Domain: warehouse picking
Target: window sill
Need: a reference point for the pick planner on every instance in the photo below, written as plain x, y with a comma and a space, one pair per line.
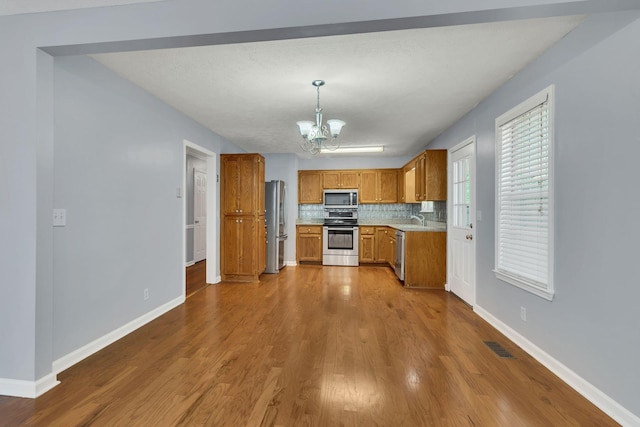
525, 284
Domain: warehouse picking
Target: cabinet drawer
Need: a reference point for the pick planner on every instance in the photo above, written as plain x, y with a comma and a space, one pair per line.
367, 230
309, 229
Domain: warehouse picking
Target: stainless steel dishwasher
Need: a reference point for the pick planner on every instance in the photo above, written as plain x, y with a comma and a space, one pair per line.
399, 264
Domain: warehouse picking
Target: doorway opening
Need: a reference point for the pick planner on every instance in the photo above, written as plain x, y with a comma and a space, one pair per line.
200, 251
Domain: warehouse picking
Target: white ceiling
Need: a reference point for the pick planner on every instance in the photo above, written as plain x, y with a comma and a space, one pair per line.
400, 89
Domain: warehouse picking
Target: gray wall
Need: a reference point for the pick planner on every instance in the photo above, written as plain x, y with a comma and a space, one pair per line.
591, 326
118, 161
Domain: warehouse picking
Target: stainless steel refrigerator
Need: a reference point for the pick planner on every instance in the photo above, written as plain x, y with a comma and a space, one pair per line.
275, 192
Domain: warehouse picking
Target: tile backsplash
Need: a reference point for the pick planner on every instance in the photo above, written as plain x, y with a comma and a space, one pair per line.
395, 211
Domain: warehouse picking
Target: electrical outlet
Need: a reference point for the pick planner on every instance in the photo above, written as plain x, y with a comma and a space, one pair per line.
59, 217
146, 294
523, 314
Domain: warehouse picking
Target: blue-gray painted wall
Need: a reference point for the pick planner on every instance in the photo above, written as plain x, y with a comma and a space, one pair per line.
591, 326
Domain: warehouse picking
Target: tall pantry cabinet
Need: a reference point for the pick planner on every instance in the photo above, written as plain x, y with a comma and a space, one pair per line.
243, 229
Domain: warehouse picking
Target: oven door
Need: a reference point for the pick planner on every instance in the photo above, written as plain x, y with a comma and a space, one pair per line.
340, 240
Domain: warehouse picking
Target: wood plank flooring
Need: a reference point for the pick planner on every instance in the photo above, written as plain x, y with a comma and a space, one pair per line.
311, 346
196, 277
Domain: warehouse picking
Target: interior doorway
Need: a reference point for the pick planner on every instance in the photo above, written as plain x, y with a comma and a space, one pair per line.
199, 204
199, 215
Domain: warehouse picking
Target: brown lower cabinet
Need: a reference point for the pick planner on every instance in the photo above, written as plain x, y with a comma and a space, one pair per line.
309, 243
377, 245
425, 263
244, 256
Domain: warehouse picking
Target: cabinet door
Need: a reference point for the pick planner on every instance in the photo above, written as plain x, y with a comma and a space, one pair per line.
260, 208
248, 193
240, 252
231, 248
309, 247
368, 186
309, 187
421, 179
350, 179
330, 179
436, 175
367, 248
261, 244
388, 184
230, 184
382, 243
402, 197
410, 186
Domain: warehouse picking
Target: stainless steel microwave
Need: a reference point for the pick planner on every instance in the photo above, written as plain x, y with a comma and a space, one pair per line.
340, 198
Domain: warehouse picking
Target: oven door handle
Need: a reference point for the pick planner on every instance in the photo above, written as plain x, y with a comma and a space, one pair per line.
340, 228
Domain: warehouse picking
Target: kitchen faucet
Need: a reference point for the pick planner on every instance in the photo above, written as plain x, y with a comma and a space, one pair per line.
419, 218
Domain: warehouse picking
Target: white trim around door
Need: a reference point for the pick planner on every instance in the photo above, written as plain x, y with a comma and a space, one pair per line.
213, 258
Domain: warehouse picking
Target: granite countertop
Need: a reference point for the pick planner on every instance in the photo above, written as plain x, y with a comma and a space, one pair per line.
398, 224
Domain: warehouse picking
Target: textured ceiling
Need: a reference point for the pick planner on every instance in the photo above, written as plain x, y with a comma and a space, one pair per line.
398, 88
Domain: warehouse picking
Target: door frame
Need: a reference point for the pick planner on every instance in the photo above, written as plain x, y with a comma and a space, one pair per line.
212, 256
469, 141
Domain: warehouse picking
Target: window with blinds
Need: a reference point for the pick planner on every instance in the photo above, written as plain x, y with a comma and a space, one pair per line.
524, 203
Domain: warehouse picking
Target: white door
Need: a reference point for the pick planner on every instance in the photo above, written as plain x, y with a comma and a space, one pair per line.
199, 215
461, 233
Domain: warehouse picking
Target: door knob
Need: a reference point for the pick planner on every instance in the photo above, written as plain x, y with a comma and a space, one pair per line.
469, 237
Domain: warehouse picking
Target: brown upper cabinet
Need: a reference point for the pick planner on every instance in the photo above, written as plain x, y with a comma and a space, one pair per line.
309, 187
340, 179
429, 170
243, 184
401, 187
379, 186
410, 193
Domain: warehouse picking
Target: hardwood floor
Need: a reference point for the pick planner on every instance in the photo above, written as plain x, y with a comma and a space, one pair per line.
196, 277
313, 345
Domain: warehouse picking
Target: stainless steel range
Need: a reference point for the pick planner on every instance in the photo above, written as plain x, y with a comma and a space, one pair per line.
340, 237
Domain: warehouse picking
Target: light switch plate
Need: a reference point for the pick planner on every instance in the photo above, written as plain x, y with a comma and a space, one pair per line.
59, 217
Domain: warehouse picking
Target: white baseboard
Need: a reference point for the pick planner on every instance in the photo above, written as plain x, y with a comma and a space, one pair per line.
29, 389
291, 263
83, 352
609, 406
189, 264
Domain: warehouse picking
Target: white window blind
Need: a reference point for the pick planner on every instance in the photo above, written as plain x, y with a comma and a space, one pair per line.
524, 203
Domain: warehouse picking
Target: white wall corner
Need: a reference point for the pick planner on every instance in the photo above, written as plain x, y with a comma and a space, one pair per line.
609, 406
28, 389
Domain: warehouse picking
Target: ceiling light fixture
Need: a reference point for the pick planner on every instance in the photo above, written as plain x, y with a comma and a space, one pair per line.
345, 150
316, 136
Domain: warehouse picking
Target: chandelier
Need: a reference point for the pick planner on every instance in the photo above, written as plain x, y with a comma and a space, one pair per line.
316, 136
